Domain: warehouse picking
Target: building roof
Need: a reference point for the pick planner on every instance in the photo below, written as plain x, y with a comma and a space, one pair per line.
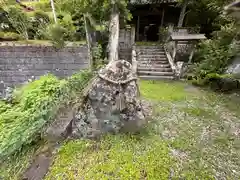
139, 2
188, 37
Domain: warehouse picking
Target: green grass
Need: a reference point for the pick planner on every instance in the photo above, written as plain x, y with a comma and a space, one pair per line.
194, 134
203, 128
114, 157
166, 91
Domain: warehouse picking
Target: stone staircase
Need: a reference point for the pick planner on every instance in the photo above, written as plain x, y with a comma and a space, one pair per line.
153, 63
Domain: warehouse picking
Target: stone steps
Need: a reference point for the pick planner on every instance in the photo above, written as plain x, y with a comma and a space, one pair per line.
152, 59
149, 47
153, 63
148, 51
156, 62
155, 73
156, 77
154, 69
152, 56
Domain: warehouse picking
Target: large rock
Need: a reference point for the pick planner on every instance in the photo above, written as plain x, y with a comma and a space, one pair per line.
112, 103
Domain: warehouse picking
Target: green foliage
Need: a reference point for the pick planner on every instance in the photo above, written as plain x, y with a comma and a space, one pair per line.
19, 20
166, 92
43, 5
10, 36
163, 34
214, 55
98, 60
114, 157
56, 33
4, 107
35, 105
67, 23
39, 23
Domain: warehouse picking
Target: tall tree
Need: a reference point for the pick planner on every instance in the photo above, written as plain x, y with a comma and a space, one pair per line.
184, 4
113, 33
53, 11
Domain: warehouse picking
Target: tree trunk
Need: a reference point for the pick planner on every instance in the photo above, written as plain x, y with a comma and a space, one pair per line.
53, 11
182, 13
89, 41
113, 34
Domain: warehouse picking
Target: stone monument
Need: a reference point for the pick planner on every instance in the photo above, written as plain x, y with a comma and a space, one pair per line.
112, 103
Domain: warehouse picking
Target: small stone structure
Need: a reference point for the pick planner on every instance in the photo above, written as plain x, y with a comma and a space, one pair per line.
112, 103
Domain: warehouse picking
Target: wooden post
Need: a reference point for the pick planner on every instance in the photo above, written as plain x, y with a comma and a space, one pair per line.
132, 35
138, 26
192, 53
53, 11
114, 34
89, 41
163, 14
174, 50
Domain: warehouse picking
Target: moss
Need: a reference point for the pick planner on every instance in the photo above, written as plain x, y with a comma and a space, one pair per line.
114, 157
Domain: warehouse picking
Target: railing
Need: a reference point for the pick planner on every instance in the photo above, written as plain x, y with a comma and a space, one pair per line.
134, 60
170, 59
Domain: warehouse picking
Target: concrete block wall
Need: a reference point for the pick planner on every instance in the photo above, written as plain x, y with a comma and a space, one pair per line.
18, 64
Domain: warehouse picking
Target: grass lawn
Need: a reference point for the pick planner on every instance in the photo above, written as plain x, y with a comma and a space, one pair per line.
194, 134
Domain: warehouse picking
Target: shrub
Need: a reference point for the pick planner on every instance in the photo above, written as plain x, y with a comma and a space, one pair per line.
35, 105
56, 33
4, 106
97, 53
10, 36
39, 24
44, 5
214, 55
68, 24
19, 20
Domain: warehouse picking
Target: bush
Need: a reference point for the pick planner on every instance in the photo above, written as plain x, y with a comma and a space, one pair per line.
56, 33
44, 5
213, 56
97, 53
68, 24
4, 107
39, 24
19, 20
217, 82
10, 36
35, 105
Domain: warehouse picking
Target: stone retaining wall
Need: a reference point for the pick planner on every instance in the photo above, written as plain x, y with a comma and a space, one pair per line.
18, 64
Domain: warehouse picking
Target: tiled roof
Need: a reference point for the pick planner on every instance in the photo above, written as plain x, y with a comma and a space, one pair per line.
151, 1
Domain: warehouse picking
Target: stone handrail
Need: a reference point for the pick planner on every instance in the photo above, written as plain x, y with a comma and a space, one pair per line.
170, 59
134, 60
